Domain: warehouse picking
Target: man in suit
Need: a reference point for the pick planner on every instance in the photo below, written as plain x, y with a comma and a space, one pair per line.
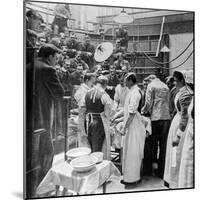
88, 51
122, 35
121, 62
47, 90
157, 104
74, 62
72, 46
76, 76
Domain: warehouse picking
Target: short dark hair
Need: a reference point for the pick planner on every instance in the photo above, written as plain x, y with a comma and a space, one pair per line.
31, 13
131, 77
178, 75
48, 49
169, 79
88, 76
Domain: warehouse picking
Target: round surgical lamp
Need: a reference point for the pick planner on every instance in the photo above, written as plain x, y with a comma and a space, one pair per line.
123, 18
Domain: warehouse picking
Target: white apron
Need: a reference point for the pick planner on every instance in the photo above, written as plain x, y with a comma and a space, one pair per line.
173, 154
133, 147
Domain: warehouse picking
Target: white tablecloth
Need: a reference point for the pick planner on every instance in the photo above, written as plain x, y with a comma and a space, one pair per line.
63, 174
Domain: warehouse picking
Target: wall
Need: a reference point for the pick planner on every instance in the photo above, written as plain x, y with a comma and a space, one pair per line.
178, 42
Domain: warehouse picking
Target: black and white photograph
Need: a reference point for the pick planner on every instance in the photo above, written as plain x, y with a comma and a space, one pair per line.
108, 99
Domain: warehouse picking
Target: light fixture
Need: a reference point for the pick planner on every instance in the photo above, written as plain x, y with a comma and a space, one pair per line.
123, 18
165, 49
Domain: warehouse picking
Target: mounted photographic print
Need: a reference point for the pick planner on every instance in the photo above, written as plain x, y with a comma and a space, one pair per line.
109, 95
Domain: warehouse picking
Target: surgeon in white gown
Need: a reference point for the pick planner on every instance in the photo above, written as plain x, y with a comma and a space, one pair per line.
134, 132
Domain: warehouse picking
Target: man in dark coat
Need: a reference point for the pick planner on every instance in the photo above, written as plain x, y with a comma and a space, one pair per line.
66, 79
33, 22
74, 62
120, 62
72, 46
62, 15
47, 89
118, 49
88, 51
122, 35
76, 76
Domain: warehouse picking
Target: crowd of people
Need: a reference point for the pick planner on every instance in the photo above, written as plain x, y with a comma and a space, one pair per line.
155, 121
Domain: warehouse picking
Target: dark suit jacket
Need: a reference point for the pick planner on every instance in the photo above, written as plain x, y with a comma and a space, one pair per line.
48, 88
72, 44
42, 92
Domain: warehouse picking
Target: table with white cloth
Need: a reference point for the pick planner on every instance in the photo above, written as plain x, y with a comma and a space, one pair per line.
62, 174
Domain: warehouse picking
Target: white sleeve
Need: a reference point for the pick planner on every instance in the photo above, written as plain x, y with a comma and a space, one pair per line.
79, 97
105, 99
108, 103
134, 102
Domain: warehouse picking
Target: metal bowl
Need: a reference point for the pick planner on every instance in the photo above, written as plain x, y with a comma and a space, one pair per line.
83, 164
78, 152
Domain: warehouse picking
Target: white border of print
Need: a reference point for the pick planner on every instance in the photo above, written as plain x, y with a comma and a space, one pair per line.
11, 88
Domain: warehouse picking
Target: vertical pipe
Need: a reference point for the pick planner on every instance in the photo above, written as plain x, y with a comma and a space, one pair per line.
66, 107
161, 33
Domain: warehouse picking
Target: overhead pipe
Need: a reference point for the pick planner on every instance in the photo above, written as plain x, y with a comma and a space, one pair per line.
161, 33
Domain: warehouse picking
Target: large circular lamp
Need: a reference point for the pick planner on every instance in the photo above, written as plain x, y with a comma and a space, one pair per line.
123, 18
